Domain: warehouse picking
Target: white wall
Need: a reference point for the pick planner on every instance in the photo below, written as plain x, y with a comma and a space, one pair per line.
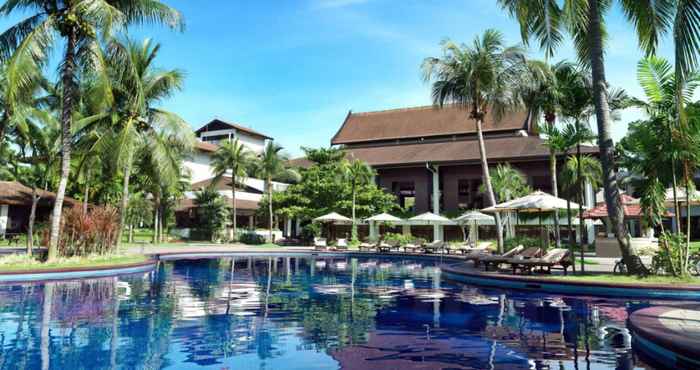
4, 219
199, 166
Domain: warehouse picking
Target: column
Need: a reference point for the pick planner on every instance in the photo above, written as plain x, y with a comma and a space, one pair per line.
589, 197
288, 227
406, 229
436, 188
438, 232
251, 222
373, 231
297, 230
4, 219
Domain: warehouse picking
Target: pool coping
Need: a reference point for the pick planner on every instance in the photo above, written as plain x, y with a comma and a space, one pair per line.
660, 341
65, 273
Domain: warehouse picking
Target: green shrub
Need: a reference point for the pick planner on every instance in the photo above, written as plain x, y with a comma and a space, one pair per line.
251, 238
525, 241
310, 231
402, 239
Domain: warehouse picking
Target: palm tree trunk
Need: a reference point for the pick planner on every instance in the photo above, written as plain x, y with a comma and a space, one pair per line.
68, 80
605, 142
86, 194
686, 252
155, 221
555, 192
581, 190
487, 182
32, 218
570, 228
234, 215
269, 192
46, 309
125, 200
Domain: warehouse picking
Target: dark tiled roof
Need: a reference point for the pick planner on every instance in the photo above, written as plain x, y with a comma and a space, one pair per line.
497, 148
419, 122
16, 194
224, 183
219, 124
301, 162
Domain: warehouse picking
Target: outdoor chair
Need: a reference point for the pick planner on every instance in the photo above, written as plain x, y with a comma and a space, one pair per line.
555, 258
320, 244
495, 260
386, 247
367, 247
341, 244
434, 247
462, 248
412, 248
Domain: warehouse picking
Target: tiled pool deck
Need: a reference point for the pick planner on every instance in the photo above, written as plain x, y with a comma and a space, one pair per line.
669, 334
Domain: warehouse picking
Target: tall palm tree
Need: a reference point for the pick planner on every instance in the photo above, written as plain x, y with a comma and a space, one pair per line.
27, 45
269, 166
508, 183
357, 173
234, 158
480, 78
137, 87
547, 21
580, 170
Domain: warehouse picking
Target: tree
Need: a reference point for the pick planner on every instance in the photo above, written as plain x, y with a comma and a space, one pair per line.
481, 78
547, 21
357, 173
27, 46
269, 166
211, 211
578, 171
234, 158
508, 183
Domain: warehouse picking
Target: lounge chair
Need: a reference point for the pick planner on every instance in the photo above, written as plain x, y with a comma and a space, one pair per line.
495, 260
413, 248
386, 247
320, 244
434, 247
555, 258
462, 248
367, 247
341, 245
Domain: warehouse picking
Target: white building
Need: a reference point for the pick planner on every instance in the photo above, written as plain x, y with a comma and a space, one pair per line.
251, 190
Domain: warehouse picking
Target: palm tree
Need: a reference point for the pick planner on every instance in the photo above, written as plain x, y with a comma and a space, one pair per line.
578, 171
480, 77
357, 173
547, 21
508, 183
269, 166
27, 45
234, 158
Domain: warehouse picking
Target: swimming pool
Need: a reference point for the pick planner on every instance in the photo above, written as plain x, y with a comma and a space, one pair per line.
303, 312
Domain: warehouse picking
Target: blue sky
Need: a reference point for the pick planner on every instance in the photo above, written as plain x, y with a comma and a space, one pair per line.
292, 69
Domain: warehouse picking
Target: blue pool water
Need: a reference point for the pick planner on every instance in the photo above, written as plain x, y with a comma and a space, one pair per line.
303, 313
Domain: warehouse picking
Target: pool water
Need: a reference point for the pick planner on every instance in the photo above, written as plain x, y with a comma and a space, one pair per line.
306, 313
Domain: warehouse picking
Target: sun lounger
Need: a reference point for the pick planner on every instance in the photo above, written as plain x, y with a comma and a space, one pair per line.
386, 247
459, 248
320, 244
495, 260
341, 245
412, 248
555, 258
434, 247
367, 247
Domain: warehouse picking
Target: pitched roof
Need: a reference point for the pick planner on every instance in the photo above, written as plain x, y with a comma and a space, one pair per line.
630, 207
301, 162
15, 194
219, 124
497, 148
224, 183
419, 122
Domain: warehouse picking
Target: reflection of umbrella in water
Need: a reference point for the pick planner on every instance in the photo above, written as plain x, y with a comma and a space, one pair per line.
335, 289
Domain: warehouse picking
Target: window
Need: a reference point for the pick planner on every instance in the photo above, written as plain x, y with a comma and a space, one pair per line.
469, 195
405, 191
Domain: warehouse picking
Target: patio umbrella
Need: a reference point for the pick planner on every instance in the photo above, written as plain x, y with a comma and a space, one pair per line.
382, 218
332, 218
536, 202
429, 218
476, 218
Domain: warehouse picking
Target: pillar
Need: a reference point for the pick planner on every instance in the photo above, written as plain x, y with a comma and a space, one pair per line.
438, 232
4, 219
373, 231
251, 222
297, 230
406, 229
288, 227
589, 197
436, 188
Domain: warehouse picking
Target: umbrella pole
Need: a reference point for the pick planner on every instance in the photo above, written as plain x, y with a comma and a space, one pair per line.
541, 231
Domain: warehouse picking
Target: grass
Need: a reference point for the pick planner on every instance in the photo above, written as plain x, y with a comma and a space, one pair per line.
17, 262
585, 262
610, 278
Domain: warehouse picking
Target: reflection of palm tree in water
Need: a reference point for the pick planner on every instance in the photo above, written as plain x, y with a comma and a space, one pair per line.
45, 324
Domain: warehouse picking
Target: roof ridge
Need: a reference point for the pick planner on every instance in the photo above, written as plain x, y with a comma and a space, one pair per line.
403, 109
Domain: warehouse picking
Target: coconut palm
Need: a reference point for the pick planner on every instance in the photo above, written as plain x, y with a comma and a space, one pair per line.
27, 45
357, 173
481, 79
231, 158
547, 21
269, 166
508, 183
578, 171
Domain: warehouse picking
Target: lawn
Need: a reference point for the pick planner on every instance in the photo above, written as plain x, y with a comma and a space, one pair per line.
610, 278
17, 262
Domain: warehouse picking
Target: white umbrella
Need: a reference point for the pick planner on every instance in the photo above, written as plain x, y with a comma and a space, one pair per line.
476, 218
383, 217
680, 194
538, 201
429, 218
332, 217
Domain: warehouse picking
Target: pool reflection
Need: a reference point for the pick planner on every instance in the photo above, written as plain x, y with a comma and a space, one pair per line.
303, 313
